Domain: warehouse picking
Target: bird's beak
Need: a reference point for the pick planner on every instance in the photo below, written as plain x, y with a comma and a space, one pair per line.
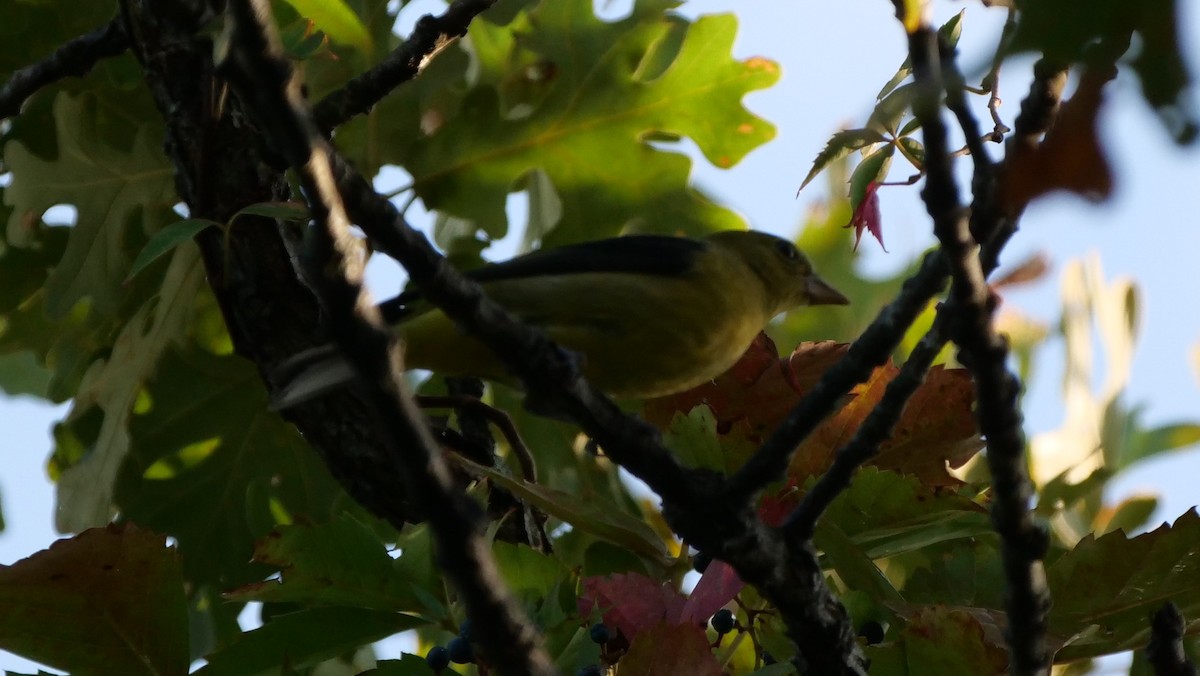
821, 293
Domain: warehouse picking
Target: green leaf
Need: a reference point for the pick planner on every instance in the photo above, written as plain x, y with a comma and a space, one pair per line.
1106, 587
304, 638
967, 573
211, 466
948, 33
886, 513
1131, 514
168, 238
852, 564
940, 640
336, 20
588, 130
840, 145
589, 515
692, 439
22, 373
528, 573
1146, 443
407, 665
284, 211
889, 111
105, 601
873, 168
340, 563
914, 152
113, 191
112, 386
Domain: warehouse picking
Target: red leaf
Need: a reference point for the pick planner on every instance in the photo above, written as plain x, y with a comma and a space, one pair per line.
631, 602
717, 586
868, 216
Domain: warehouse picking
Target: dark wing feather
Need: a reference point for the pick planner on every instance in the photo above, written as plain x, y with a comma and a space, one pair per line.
635, 254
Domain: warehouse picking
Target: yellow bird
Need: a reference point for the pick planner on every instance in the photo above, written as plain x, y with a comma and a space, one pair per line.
651, 315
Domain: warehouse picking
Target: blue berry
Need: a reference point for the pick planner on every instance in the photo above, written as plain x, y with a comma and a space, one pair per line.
464, 630
460, 651
872, 632
437, 658
722, 621
590, 670
600, 633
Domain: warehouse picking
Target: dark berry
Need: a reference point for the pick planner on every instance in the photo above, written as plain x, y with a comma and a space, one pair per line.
590, 670
437, 658
460, 650
872, 632
722, 621
464, 630
600, 633
768, 658
700, 562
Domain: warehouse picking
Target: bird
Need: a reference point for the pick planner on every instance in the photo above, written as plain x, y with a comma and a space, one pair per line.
651, 315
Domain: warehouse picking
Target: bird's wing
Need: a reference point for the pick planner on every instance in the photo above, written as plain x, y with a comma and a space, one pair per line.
658, 255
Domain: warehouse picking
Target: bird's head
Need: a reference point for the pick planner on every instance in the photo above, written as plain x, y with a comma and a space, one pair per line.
786, 273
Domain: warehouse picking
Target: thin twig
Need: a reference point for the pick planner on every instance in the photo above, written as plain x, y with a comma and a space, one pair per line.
985, 353
869, 351
73, 58
498, 418
431, 34
876, 429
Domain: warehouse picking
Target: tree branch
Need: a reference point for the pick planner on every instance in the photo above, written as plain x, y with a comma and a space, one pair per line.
1165, 650
876, 429
264, 78
431, 34
868, 352
74, 57
997, 391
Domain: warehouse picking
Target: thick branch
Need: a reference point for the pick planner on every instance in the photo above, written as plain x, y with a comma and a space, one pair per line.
74, 58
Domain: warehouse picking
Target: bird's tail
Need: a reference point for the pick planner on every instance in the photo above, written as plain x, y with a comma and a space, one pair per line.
308, 375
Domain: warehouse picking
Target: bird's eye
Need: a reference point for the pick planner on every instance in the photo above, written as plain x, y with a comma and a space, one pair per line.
787, 250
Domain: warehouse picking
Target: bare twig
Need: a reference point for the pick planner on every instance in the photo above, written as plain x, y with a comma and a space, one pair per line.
997, 390
431, 34
264, 79
868, 352
73, 58
497, 417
